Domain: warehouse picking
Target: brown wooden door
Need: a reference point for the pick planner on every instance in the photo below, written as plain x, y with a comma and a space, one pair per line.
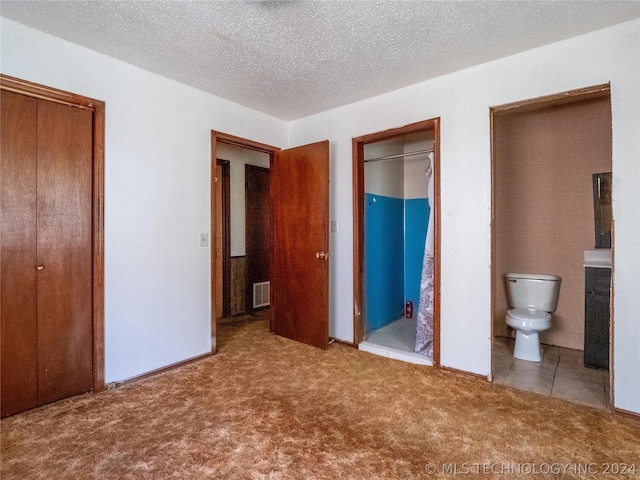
46, 252
19, 326
218, 244
64, 249
300, 225
222, 240
258, 228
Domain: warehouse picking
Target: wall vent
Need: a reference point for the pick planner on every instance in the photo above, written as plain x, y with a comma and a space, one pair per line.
261, 294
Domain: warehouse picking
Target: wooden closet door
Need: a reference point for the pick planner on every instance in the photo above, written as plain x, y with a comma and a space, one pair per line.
18, 324
64, 250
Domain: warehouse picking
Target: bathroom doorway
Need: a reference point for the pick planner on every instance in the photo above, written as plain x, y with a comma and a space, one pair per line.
545, 153
392, 209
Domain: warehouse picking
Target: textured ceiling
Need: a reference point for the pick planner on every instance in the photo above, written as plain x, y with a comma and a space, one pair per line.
295, 58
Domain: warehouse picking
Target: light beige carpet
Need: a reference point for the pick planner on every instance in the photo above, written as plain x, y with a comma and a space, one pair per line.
266, 407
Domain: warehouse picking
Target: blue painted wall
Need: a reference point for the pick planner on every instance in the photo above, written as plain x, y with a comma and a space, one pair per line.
416, 213
393, 256
384, 266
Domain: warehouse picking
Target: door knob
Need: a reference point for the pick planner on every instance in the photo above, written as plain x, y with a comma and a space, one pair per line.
322, 255
39, 267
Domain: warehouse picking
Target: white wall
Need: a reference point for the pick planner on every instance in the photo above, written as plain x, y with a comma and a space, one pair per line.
462, 101
384, 177
416, 181
402, 177
157, 199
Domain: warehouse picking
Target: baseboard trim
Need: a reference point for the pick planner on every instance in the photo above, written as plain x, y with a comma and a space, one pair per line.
627, 414
342, 342
476, 376
160, 370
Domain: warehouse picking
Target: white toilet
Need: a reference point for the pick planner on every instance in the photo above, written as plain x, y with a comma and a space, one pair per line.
532, 297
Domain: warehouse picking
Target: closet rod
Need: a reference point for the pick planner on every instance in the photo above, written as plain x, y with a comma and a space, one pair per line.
398, 155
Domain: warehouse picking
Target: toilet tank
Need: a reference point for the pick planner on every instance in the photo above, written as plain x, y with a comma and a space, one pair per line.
533, 291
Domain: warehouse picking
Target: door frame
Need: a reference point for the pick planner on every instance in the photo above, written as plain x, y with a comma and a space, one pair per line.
97, 107
358, 144
225, 185
220, 137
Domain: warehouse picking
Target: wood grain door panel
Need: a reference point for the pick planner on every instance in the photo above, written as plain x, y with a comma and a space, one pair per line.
51, 245
64, 217
19, 373
222, 192
258, 228
218, 244
300, 225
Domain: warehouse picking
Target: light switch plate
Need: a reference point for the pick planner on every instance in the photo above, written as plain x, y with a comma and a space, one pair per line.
334, 225
204, 239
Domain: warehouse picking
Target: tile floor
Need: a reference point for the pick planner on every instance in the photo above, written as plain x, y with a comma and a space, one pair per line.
396, 340
561, 374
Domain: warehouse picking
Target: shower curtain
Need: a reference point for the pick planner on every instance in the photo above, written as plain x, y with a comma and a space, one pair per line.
424, 333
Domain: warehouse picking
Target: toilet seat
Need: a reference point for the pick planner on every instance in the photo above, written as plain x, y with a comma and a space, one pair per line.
526, 320
527, 315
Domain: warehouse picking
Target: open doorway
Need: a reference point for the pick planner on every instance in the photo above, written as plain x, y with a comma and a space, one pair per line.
548, 156
240, 226
392, 171
242, 235
299, 195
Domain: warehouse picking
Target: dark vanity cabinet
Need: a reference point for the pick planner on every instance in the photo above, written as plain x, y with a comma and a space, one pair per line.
596, 317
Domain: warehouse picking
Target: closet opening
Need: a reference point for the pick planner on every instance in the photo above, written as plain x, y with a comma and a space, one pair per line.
396, 243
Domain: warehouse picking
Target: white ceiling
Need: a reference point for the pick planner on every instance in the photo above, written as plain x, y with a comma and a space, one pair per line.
291, 59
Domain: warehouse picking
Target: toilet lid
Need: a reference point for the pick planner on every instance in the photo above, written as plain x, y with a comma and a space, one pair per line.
529, 315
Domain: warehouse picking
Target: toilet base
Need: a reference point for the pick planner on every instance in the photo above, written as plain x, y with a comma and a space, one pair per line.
528, 346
